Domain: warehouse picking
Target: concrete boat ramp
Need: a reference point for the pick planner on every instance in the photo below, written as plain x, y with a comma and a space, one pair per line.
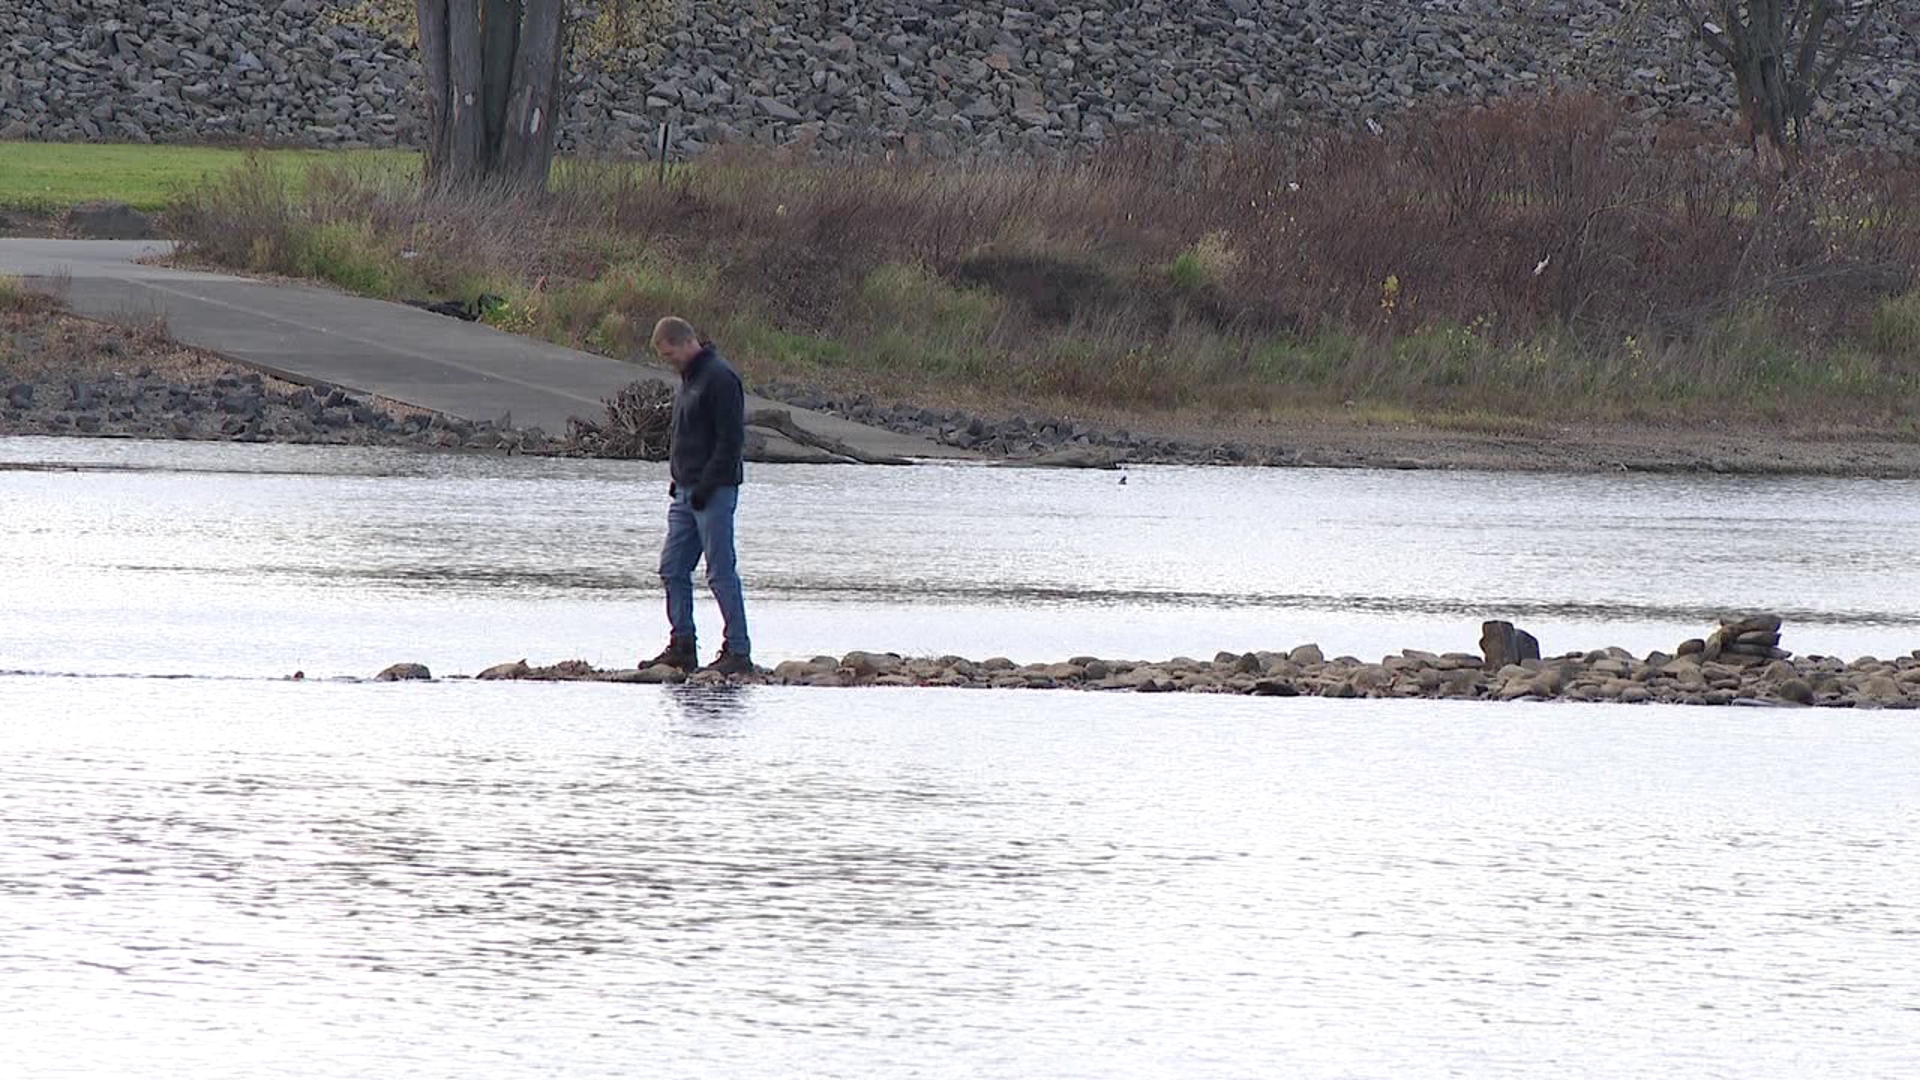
311, 335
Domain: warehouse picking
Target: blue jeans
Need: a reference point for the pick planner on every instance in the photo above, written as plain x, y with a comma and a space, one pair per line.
691, 534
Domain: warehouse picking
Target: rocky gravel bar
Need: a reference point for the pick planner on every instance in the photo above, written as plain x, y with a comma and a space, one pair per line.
1718, 670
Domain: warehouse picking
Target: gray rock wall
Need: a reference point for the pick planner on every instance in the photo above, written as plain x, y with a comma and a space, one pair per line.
943, 76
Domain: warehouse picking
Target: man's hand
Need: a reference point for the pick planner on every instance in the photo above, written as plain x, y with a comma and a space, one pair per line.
673, 490
700, 497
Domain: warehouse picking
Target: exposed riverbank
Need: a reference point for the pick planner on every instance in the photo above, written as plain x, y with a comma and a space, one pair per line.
65, 375
1360, 438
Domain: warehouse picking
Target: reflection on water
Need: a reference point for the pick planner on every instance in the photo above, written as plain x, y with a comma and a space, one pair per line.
259, 560
246, 879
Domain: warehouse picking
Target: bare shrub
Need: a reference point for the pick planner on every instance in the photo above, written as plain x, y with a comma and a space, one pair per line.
1544, 247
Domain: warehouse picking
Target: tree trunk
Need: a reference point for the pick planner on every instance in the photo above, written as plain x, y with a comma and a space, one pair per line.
467, 134
493, 70
526, 145
500, 30
1783, 54
432, 16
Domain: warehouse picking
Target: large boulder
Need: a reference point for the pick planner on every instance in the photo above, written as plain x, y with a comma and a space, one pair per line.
109, 221
1503, 644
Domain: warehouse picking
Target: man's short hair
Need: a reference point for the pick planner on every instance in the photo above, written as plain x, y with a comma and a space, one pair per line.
674, 330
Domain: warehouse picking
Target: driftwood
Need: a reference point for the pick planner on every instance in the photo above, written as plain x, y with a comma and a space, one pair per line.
781, 422
638, 425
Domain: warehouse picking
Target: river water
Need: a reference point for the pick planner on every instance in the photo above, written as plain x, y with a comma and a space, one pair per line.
223, 874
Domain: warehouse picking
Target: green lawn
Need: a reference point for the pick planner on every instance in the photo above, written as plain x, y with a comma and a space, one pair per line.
50, 177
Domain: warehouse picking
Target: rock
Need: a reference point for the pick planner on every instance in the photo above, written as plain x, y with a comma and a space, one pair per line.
1503, 644
1749, 635
1762, 652
1796, 690
1307, 656
1635, 695
1881, 689
1750, 624
780, 110
1073, 457
109, 221
871, 665
792, 671
515, 670
1371, 678
404, 673
1275, 688
20, 396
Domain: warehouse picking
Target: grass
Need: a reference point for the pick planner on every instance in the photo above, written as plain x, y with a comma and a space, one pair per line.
1540, 262
49, 178
14, 295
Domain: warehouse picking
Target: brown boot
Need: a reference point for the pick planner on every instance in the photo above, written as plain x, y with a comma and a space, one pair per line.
680, 655
733, 663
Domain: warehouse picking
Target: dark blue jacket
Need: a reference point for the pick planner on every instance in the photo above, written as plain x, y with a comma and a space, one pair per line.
709, 425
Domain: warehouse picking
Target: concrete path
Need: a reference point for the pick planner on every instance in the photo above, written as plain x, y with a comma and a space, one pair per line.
310, 335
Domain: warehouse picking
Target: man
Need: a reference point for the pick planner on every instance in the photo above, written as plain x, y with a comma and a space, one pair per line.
709, 434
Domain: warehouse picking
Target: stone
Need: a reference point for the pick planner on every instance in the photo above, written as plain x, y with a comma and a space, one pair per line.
1635, 695
1880, 688
514, 670
1763, 624
105, 220
1307, 656
1502, 644
780, 110
1274, 688
660, 674
1371, 677
1796, 690
404, 673
20, 396
788, 671
1074, 457
866, 665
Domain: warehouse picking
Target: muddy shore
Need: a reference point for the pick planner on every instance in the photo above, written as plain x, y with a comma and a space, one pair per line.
1358, 441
